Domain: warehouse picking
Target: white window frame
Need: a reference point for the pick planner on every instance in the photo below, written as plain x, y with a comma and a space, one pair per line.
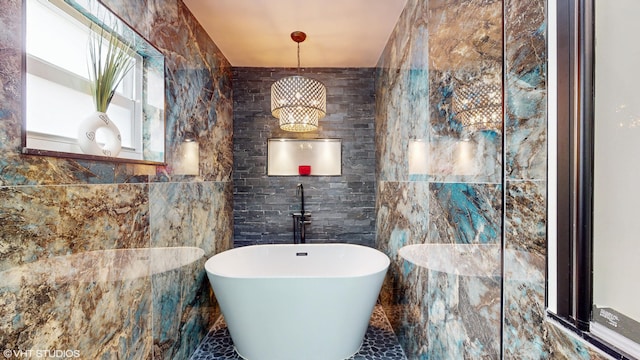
42, 141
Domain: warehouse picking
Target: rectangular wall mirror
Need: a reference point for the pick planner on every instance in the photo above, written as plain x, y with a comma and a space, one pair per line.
58, 95
315, 157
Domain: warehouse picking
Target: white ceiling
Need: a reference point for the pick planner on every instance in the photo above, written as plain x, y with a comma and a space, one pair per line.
340, 33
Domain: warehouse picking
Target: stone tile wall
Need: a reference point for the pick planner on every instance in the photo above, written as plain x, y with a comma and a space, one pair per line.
342, 207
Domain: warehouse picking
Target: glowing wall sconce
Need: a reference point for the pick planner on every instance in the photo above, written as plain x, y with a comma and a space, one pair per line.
443, 156
418, 157
464, 157
188, 159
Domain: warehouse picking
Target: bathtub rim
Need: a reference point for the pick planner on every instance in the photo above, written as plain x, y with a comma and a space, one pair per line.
384, 265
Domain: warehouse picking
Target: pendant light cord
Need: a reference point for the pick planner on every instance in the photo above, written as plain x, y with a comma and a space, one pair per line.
298, 58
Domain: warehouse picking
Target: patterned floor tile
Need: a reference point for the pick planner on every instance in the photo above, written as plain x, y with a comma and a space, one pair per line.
379, 342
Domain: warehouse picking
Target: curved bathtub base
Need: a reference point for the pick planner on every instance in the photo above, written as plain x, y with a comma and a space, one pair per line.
313, 318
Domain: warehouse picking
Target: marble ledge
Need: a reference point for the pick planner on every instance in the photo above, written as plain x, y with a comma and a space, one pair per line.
100, 266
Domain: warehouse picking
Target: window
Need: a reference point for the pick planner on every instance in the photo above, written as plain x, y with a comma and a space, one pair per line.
596, 291
57, 83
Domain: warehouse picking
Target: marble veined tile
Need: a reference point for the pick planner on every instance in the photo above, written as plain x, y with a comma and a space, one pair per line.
191, 214
183, 310
11, 80
199, 93
525, 90
524, 317
464, 316
134, 13
70, 257
465, 213
456, 44
196, 215
461, 54
526, 220
478, 260
529, 334
401, 208
403, 83
45, 221
477, 159
441, 315
79, 314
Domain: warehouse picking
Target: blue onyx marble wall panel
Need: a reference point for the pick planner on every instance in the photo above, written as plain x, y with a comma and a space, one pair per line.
402, 69
191, 214
464, 316
465, 49
430, 54
465, 213
397, 205
527, 222
438, 314
528, 334
182, 305
198, 92
463, 308
462, 52
431, 310
66, 254
526, 90
96, 254
10, 89
525, 266
41, 222
402, 207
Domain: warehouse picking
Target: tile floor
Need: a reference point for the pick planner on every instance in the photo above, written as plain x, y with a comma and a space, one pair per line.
379, 342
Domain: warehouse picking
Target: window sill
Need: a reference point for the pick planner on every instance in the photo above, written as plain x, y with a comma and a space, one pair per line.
58, 154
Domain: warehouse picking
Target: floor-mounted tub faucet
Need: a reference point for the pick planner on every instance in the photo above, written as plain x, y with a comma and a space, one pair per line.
300, 192
301, 219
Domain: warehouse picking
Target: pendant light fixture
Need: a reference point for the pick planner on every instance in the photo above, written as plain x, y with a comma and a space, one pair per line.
298, 101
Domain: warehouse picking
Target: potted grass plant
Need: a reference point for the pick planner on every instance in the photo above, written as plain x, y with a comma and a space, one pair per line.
109, 61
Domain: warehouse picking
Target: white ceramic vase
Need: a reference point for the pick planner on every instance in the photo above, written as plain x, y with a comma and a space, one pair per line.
87, 135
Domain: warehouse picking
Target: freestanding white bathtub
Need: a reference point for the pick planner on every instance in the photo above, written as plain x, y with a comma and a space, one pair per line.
293, 302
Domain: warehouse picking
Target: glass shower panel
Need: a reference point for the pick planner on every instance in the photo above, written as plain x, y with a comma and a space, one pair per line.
616, 244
